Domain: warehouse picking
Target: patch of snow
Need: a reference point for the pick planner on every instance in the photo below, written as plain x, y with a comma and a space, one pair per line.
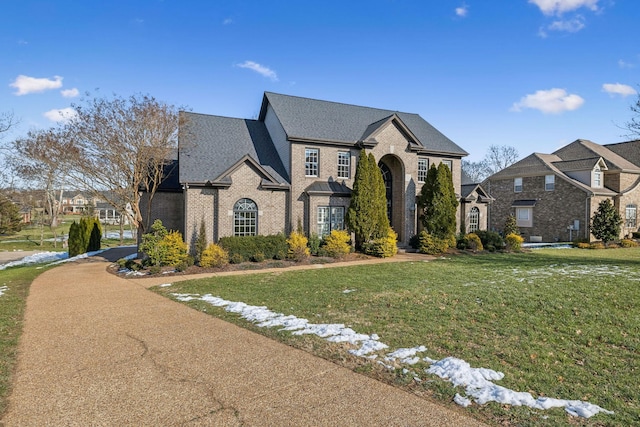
477, 381
116, 234
3, 289
348, 291
165, 285
36, 259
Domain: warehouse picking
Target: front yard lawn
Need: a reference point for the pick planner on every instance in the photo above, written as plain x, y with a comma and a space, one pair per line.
562, 323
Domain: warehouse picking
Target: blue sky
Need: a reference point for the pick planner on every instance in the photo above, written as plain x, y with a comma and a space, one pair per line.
533, 74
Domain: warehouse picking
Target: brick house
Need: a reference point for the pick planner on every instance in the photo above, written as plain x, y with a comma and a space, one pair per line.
295, 165
474, 205
554, 196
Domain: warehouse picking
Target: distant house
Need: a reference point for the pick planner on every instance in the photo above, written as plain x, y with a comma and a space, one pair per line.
76, 202
474, 205
554, 196
295, 165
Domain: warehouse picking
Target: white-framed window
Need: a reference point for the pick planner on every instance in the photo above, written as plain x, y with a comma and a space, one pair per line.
549, 182
330, 218
630, 216
311, 157
517, 185
245, 218
344, 164
597, 177
524, 217
423, 167
448, 163
474, 219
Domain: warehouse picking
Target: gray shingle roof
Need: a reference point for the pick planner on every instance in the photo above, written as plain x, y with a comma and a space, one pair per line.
534, 164
312, 119
577, 165
629, 150
209, 145
583, 148
328, 188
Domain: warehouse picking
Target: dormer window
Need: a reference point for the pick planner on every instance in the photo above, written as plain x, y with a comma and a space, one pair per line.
597, 177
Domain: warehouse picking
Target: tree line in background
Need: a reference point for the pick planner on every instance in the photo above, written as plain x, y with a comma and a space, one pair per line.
497, 158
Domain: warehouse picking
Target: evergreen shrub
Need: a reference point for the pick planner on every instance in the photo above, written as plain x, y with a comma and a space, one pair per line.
336, 244
432, 245
473, 242
383, 247
490, 240
514, 242
214, 256
297, 243
628, 243
271, 247
174, 249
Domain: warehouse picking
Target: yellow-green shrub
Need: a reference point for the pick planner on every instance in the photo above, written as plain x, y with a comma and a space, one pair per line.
384, 247
432, 245
514, 242
214, 256
473, 242
628, 243
336, 244
173, 248
297, 243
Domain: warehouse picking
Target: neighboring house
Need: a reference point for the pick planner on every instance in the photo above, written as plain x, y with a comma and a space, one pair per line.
75, 202
474, 205
554, 196
294, 167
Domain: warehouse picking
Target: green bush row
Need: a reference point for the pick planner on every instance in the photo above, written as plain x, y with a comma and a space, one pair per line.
255, 248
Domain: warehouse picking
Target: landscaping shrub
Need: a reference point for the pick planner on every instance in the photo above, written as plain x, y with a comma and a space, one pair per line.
384, 247
84, 236
490, 240
432, 245
236, 258
271, 247
514, 242
257, 257
583, 245
174, 249
336, 244
297, 243
511, 226
214, 256
314, 243
201, 242
473, 242
150, 244
414, 241
636, 234
597, 245
628, 243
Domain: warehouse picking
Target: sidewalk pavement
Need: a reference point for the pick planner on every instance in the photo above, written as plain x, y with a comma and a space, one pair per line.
101, 350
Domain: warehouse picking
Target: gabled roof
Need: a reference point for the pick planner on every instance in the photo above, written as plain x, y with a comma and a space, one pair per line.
580, 164
305, 119
270, 178
467, 190
582, 148
209, 145
629, 150
534, 164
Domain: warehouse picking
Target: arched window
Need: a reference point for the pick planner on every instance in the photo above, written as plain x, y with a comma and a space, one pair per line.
245, 218
474, 219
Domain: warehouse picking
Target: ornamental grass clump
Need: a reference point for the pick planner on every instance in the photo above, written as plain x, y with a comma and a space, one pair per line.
214, 256
298, 250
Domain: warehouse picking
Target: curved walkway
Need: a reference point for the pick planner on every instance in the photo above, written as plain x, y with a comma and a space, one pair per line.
101, 350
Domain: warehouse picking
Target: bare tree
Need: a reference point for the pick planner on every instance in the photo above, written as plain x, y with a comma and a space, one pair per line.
476, 171
633, 125
499, 157
7, 121
123, 147
39, 159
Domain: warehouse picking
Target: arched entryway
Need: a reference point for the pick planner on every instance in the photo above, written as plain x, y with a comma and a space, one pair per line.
392, 170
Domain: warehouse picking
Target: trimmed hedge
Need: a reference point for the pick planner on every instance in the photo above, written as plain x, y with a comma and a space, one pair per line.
255, 247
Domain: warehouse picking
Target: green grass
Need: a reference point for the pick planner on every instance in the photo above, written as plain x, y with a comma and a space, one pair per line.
558, 323
12, 304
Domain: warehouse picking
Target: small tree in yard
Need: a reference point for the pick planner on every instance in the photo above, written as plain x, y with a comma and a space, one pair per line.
438, 203
201, 242
511, 226
150, 244
10, 219
606, 222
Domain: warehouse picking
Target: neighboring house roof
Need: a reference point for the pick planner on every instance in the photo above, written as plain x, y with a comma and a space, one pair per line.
468, 190
577, 165
630, 150
209, 145
305, 119
582, 148
534, 164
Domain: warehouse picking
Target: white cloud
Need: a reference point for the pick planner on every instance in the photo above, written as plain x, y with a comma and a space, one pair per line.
26, 84
462, 11
70, 93
558, 7
618, 89
625, 64
260, 69
227, 21
571, 26
552, 101
61, 115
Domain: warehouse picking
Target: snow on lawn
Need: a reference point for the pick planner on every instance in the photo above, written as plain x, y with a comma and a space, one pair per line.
3, 289
53, 258
478, 382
